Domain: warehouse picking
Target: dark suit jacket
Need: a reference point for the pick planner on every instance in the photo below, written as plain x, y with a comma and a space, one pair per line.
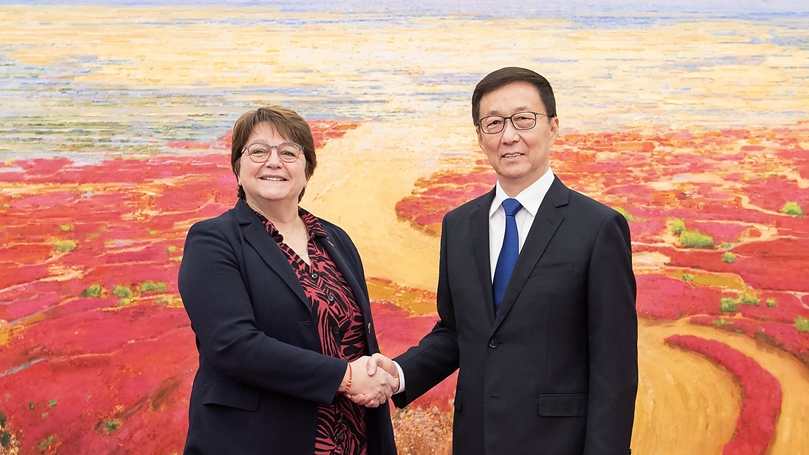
556, 371
261, 373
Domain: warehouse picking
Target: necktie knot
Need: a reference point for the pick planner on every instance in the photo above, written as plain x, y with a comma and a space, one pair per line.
511, 206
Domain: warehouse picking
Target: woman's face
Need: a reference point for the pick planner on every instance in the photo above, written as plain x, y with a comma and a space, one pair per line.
274, 180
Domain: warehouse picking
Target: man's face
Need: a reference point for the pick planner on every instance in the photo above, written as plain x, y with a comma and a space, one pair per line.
519, 157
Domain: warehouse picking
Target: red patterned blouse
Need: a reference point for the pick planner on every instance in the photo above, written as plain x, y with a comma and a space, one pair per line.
341, 425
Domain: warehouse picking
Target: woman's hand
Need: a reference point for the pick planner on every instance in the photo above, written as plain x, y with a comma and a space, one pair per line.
366, 389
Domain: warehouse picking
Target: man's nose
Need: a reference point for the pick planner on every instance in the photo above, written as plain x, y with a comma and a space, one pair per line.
510, 133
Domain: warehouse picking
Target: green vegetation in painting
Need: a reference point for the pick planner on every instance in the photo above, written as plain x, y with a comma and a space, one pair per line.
751, 300
5, 436
694, 239
728, 257
792, 208
689, 239
802, 324
676, 226
112, 425
94, 291
150, 286
728, 304
122, 291
45, 443
64, 246
625, 213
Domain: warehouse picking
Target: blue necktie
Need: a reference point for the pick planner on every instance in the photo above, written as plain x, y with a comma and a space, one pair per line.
508, 254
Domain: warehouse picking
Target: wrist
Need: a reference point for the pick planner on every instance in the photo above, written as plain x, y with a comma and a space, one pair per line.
348, 377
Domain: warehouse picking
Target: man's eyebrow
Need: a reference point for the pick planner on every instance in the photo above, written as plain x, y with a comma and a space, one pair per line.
516, 110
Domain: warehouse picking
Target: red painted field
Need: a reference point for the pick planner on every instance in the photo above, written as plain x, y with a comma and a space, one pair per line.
96, 354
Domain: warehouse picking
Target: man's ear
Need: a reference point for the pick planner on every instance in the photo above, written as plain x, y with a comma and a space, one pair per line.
554, 128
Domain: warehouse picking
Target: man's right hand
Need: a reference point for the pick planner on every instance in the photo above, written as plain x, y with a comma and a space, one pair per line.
380, 361
375, 362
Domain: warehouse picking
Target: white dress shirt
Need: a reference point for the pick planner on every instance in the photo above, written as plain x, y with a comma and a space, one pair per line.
530, 199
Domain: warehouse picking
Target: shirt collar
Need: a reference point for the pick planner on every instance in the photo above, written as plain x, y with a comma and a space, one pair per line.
530, 198
310, 221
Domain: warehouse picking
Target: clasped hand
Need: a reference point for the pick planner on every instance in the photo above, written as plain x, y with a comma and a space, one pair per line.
375, 379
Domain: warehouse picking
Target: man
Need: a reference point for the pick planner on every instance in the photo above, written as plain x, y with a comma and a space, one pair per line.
547, 352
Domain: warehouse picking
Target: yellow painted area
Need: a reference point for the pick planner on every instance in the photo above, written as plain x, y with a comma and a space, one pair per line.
685, 404
704, 278
413, 300
791, 437
362, 177
649, 261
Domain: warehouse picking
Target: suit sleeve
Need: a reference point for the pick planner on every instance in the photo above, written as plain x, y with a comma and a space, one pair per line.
613, 340
437, 355
217, 301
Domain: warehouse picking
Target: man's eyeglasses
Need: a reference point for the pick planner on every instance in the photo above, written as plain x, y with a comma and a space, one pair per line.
260, 152
494, 124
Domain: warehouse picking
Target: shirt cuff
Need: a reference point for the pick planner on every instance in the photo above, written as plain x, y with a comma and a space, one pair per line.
401, 378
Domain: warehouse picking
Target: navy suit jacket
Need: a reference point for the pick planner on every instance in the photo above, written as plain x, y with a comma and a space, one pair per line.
261, 373
555, 371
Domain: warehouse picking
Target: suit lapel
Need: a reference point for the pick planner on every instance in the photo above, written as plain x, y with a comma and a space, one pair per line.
358, 288
348, 273
545, 225
479, 226
256, 235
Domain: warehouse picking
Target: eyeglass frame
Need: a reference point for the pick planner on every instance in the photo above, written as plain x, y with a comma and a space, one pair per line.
277, 150
509, 118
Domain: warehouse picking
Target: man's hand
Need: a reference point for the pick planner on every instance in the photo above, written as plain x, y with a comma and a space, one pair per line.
371, 389
380, 361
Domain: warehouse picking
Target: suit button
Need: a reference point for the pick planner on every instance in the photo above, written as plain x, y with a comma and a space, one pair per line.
331, 298
335, 330
493, 343
314, 275
338, 437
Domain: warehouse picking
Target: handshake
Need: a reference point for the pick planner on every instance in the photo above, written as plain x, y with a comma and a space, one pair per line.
370, 381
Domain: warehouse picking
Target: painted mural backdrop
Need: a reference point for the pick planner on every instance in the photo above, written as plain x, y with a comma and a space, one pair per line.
690, 119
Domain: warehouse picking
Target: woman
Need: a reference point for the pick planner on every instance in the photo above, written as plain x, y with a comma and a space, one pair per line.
278, 302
